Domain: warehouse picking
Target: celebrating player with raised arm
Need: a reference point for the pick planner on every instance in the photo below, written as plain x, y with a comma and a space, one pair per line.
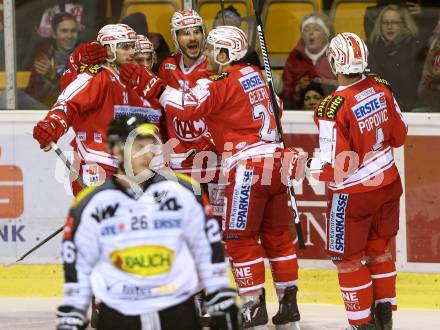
238, 100
90, 103
359, 125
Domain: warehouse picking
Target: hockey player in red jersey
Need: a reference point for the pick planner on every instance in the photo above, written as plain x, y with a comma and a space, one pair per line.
359, 124
181, 71
238, 101
91, 102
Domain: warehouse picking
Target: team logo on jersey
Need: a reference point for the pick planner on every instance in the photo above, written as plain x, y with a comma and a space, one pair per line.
251, 81
169, 66
334, 106
144, 261
241, 198
189, 130
336, 232
369, 106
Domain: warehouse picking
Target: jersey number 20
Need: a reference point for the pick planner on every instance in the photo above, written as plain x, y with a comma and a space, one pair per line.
261, 112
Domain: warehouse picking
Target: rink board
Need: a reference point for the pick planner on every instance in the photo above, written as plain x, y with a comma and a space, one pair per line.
35, 195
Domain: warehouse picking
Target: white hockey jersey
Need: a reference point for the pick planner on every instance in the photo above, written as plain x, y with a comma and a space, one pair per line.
141, 253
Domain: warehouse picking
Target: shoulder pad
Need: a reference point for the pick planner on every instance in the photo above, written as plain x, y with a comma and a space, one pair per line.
83, 194
186, 180
93, 69
378, 79
321, 107
333, 106
220, 76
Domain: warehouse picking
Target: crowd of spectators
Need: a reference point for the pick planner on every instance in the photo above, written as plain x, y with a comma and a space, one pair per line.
402, 37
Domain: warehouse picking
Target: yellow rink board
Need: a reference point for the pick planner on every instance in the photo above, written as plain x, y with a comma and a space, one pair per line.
414, 290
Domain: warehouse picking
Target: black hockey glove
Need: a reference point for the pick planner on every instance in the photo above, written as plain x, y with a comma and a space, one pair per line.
71, 318
223, 310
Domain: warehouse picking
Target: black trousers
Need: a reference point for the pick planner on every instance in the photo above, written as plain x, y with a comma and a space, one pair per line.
180, 317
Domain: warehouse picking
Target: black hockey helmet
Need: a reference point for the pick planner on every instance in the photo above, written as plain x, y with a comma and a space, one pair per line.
121, 127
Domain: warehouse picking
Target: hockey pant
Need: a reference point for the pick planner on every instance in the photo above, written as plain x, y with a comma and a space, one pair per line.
360, 232
257, 224
182, 316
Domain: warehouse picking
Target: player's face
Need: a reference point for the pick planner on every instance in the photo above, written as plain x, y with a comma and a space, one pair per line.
311, 100
191, 42
212, 65
138, 156
314, 37
391, 25
66, 35
144, 59
125, 53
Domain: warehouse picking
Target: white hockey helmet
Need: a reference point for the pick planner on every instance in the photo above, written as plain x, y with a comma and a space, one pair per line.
145, 46
114, 34
183, 19
231, 38
348, 53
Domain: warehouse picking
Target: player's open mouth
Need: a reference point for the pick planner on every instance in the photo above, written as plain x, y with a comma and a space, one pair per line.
193, 47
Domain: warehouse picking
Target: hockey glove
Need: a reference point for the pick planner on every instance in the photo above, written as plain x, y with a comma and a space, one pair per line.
90, 53
71, 318
293, 163
223, 310
204, 143
50, 128
142, 80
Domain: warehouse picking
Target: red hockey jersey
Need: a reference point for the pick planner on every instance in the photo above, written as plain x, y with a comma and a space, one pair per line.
175, 75
91, 102
359, 124
238, 102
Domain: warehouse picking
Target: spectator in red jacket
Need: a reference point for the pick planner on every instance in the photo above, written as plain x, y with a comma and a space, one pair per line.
307, 62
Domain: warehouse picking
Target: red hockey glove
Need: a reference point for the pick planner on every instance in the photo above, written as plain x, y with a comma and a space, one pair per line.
142, 80
90, 53
50, 128
204, 143
293, 163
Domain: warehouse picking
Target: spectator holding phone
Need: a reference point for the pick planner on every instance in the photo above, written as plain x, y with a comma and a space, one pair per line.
394, 46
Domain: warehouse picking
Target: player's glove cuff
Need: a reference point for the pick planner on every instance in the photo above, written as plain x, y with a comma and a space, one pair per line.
71, 318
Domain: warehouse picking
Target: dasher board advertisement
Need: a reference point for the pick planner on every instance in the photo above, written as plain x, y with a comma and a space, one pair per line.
35, 192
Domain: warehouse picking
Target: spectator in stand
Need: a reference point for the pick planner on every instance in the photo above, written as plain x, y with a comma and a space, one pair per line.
394, 53
138, 22
424, 12
311, 96
307, 62
51, 59
429, 87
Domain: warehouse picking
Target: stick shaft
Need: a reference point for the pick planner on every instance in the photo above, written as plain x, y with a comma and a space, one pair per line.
59, 230
68, 164
275, 108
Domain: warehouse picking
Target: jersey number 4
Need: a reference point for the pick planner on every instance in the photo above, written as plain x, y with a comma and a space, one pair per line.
261, 112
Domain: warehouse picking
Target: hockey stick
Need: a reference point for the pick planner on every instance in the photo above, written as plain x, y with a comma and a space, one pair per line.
222, 8
68, 164
75, 173
275, 108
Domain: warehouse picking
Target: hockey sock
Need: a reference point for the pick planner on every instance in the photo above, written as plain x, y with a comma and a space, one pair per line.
357, 293
384, 282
